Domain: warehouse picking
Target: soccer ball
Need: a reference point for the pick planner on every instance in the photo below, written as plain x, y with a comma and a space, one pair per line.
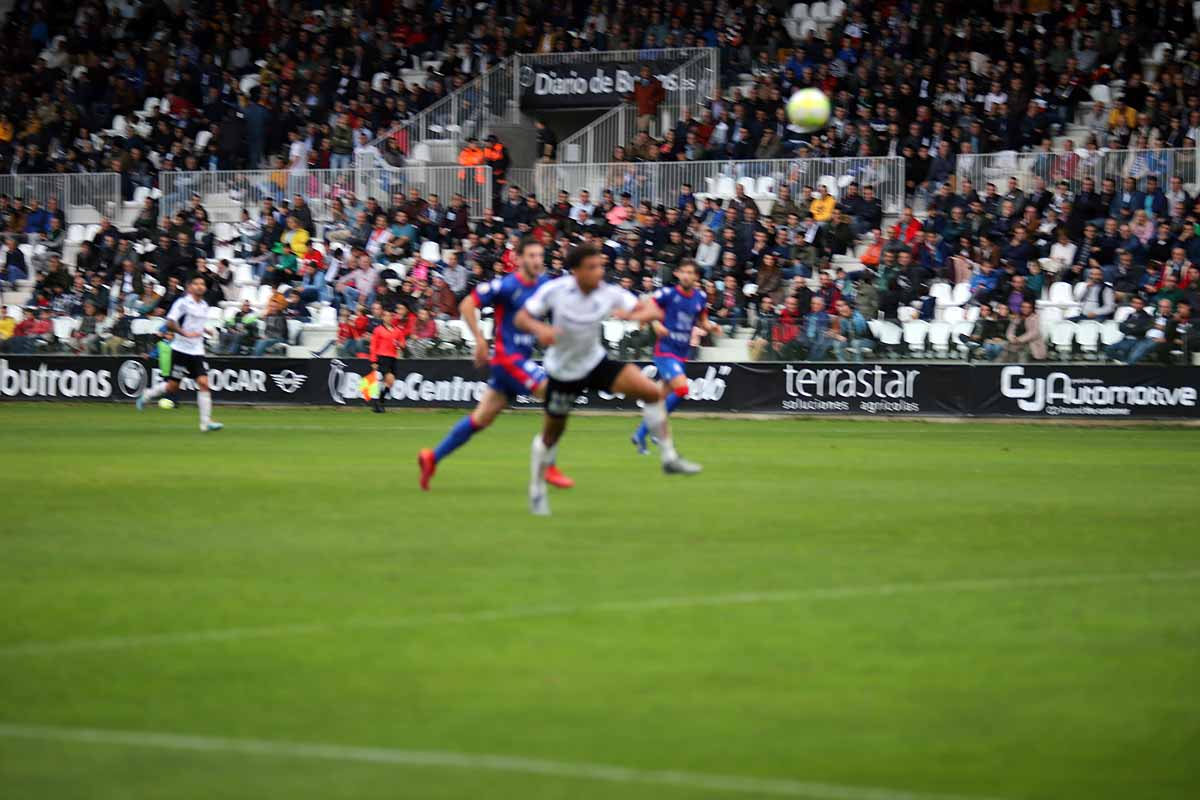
166, 403
809, 110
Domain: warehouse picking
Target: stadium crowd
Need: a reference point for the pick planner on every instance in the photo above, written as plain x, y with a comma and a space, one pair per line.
806, 275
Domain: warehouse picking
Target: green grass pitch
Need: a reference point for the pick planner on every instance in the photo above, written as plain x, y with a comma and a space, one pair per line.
833, 610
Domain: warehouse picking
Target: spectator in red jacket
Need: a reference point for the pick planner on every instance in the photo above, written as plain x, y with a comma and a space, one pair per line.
908, 228
648, 94
29, 331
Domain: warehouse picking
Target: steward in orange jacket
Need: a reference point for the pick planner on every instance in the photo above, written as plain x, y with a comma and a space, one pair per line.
471, 156
496, 156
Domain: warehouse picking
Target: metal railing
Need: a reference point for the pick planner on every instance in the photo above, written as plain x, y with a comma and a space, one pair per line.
224, 194
660, 181
437, 132
84, 197
697, 80
525, 178
1074, 165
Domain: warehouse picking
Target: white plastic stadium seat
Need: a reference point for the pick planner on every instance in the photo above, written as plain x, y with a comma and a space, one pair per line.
1110, 333
915, 333
819, 11
748, 184
263, 295
64, 327
1050, 315
328, 316
430, 251
75, 233
808, 26
906, 314
487, 327
1087, 336
766, 186
939, 338
1061, 337
202, 140
799, 11
959, 330
953, 314
960, 294
889, 334
836, 9
1122, 314
1060, 295
614, 332
725, 187
1101, 94
941, 292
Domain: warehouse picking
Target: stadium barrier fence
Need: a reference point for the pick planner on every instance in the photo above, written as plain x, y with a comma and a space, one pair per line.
225, 193
875, 389
1073, 166
84, 197
660, 181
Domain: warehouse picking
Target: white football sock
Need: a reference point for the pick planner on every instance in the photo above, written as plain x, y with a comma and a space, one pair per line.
538, 461
204, 400
155, 392
655, 416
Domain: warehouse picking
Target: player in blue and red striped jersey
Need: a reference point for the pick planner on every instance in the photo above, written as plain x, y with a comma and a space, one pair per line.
681, 308
513, 371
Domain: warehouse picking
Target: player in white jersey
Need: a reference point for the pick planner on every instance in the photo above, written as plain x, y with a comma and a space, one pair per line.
187, 319
576, 360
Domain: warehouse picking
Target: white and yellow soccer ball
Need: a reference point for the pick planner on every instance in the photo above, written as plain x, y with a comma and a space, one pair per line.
166, 403
809, 110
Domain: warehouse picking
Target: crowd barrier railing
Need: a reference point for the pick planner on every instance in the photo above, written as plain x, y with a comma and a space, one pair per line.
661, 181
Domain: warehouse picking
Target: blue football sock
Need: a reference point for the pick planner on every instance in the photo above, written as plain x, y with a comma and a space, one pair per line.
463, 430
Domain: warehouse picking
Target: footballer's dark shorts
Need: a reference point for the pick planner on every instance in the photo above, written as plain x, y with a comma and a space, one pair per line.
387, 365
561, 395
187, 365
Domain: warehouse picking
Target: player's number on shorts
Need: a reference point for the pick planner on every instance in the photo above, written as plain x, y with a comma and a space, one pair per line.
560, 403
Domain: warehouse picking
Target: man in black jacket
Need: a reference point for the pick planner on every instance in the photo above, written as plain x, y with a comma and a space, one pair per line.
1135, 327
986, 339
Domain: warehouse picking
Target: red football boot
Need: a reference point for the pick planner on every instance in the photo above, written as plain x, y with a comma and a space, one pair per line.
428, 465
557, 479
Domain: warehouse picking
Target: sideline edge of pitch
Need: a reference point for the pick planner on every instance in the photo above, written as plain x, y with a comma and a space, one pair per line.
734, 784
132, 641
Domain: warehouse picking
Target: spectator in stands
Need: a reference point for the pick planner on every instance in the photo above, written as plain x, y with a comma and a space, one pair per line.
1135, 328
424, 336
274, 329
240, 331
848, 332
648, 94
13, 267
1023, 340
815, 330
725, 307
33, 332
8, 326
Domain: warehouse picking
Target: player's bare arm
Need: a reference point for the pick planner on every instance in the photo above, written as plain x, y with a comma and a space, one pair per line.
468, 312
545, 334
646, 311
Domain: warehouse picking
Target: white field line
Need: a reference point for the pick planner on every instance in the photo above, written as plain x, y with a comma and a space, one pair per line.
1003, 585
478, 762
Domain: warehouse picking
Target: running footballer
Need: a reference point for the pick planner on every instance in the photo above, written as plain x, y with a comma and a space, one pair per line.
576, 360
